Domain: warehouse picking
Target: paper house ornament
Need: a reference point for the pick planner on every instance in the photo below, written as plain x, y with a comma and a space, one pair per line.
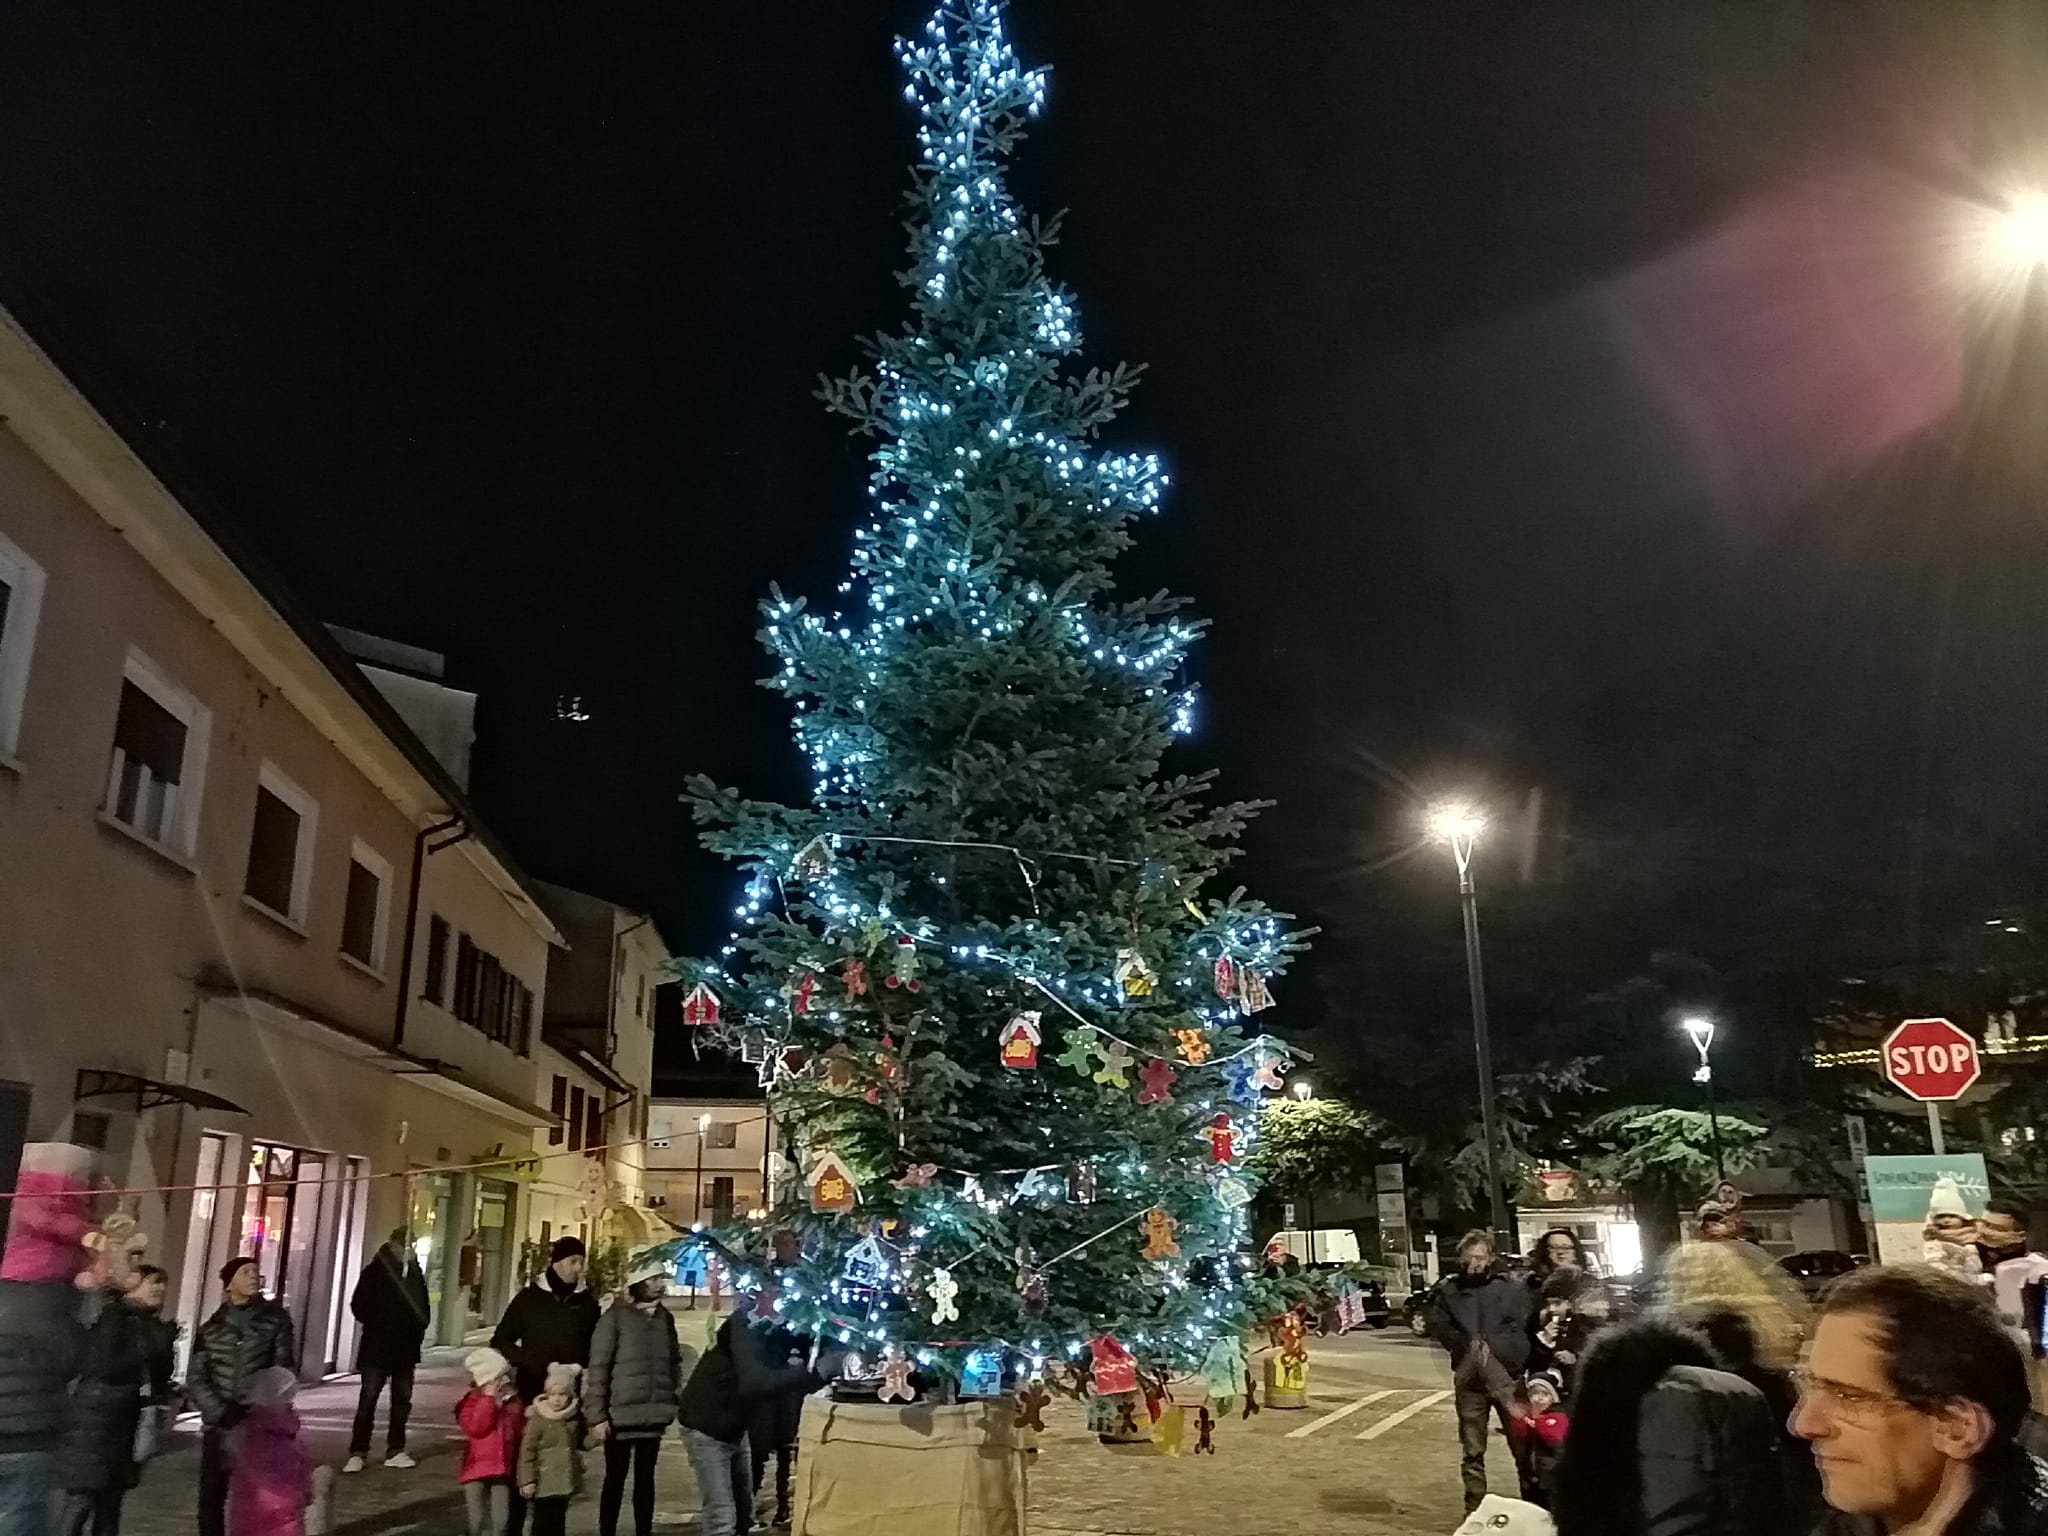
700, 1006
1019, 1040
833, 1186
1115, 1370
982, 1374
866, 1262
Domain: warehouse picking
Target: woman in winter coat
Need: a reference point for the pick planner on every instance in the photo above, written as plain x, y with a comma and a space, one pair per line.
630, 1391
1663, 1443
124, 1372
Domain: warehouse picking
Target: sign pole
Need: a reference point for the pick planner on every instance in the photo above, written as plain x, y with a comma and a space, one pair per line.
1934, 1128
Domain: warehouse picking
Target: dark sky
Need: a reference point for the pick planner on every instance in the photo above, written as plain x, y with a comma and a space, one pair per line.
1562, 400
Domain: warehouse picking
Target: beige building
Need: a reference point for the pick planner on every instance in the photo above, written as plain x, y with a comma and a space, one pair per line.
255, 945
711, 1159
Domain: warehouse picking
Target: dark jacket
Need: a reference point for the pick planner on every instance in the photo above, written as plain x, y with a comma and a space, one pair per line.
126, 1363
545, 1325
2011, 1500
1493, 1308
390, 1301
230, 1347
735, 1376
1662, 1443
778, 1411
636, 1370
40, 1340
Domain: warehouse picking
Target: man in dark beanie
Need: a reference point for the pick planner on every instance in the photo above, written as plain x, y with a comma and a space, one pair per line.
550, 1321
245, 1335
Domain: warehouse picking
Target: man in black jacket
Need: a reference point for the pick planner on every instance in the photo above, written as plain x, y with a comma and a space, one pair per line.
719, 1401
1482, 1317
246, 1334
390, 1301
550, 1321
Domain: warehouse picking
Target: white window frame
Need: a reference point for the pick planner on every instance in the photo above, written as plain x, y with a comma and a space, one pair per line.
180, 834
362, 853
25, 581
280, 784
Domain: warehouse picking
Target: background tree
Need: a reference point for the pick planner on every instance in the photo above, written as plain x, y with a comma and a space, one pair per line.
983, 968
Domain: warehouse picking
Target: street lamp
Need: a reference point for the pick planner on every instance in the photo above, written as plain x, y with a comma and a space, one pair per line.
1459, 825
2017, 234
1701, 1032
697, 1204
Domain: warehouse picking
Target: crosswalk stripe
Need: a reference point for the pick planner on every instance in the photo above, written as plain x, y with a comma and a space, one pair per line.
1400, 1416
1342, 1413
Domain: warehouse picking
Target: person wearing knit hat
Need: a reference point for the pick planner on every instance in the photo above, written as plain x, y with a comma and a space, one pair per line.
272, 1481
492, 1420
1949, 1240
551, 1319
246, 1334
636, 1370
551, 1453
41, 1339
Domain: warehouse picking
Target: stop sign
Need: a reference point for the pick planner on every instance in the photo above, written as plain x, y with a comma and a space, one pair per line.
1930, 1059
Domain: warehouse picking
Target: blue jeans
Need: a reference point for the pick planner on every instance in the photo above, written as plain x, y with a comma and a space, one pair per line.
725, 1483
25, 1479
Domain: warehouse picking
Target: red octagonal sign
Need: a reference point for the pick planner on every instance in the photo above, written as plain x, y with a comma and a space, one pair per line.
1930, 1059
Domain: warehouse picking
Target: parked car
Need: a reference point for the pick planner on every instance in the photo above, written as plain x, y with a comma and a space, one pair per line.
1817, 1270
1415, 1313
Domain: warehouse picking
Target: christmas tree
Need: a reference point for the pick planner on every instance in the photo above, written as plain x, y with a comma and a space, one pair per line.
1001, 1017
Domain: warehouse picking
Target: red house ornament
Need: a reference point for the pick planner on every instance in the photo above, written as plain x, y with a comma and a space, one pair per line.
1017, 1045
1114, 1369
700, 1006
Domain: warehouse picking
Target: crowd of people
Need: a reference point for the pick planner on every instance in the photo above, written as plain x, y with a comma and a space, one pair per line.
1903, 1403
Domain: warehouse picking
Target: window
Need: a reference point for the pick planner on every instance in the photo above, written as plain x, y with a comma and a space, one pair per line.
159, 758
722, 1134
434, 988
558, 1106
575, 1119
21, 601
281, 846
640, 1000
491, 998
366, 909
593, 1123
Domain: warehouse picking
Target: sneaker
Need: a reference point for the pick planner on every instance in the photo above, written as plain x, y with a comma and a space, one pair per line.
353, 1464
400, 1460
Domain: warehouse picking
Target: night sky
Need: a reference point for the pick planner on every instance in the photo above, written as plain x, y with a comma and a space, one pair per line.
1575, 404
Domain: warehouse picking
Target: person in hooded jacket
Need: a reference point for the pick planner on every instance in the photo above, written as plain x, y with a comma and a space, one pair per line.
40, 1332
719, 1401
124, 1371
1664, 1443
630, 1390
550, 1320
391, 1302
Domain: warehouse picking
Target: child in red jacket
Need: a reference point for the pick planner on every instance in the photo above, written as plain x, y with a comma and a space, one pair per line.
492, 1419
1538, 1436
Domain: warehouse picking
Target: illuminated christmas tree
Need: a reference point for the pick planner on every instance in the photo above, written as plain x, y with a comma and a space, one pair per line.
999, 1007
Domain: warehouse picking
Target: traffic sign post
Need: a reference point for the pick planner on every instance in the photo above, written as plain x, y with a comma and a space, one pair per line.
1933, 1061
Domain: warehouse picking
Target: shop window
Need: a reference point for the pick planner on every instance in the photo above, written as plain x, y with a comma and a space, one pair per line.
21, 600
366, 910
434, 987
558, 1106
281, 847
159, 756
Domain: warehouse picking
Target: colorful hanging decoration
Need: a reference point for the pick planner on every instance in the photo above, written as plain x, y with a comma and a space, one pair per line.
1113, 1369
1239, 1075
754, 1047
981, 1373
942, 1290
1226, 979
700, 1006
1205, 1432
1157, 1229
1170, 1429
813, 861
918, 1176
1223, 1372
1017, 1045
1080, 1052
1193, 1045
832, 1184
1222, 1139
904, 968
800, 992
1116, 1061
1031, 1405
855, 976
1031, 1286
1155, 1080
1101, 1415
1234, 1193
838, 1068
1081, 1184
896, 1385
1271, 1065
888, 1070
867, 1262
1132, 974
1253, 995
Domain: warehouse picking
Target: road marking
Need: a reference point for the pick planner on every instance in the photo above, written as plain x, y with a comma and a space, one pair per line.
1342, 1413
1400, 1416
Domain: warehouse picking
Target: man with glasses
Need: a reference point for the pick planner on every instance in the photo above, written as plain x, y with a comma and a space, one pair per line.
1912, 1401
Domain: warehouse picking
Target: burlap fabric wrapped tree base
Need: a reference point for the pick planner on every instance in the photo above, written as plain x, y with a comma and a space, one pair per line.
916, 1470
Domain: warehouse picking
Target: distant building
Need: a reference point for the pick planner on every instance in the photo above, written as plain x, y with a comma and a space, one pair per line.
253, 936
711, 1160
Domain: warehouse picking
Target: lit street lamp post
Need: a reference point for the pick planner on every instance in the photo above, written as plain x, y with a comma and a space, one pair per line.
697, 1202
1303, 1092
1701, 1031
1460, 825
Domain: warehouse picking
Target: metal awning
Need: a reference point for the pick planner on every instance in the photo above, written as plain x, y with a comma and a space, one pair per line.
147, 1092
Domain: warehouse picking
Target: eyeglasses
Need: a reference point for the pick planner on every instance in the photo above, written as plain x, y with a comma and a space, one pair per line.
1852, 1405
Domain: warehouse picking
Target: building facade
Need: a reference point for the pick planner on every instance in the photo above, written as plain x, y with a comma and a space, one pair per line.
255, 946
710, 1160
